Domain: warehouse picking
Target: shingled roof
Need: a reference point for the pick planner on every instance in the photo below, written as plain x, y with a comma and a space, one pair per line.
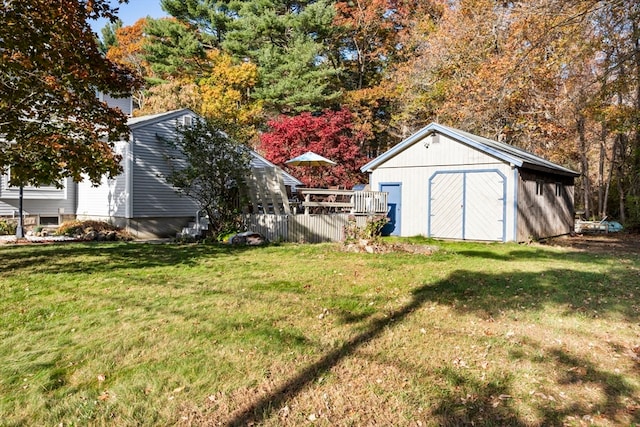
508, 153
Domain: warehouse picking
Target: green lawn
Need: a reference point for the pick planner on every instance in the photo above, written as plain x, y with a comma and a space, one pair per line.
139, 334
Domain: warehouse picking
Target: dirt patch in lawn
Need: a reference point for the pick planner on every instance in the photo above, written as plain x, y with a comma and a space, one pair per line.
612, 243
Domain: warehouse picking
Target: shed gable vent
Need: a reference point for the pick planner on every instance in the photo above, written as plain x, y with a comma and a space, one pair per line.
431, 139
187, 121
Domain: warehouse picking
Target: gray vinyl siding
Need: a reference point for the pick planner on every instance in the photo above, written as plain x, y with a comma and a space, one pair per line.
151, 195
124, 104
38, 201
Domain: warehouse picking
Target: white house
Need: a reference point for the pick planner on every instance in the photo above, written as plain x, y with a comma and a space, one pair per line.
447, 183
139, 199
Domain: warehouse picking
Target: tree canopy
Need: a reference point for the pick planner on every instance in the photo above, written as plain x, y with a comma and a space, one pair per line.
52, 125
330, 134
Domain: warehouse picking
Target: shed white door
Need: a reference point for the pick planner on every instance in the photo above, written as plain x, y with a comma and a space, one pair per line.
447, 206
467, 205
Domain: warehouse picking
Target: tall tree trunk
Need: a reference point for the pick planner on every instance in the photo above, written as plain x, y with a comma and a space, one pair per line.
635, 172
584, 159
620, 150
602, 193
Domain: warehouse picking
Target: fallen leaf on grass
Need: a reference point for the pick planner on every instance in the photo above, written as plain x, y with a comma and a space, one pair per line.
578, 370
459, 363
496, 401
284, 412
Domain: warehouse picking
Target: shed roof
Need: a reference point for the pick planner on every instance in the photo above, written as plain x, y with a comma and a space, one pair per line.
505, 152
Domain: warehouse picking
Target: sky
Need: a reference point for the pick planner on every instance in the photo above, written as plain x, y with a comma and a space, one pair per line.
131, 12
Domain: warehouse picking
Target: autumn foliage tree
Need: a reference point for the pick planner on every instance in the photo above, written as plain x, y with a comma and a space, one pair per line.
182, 71
128, 48
52, 124
330, 134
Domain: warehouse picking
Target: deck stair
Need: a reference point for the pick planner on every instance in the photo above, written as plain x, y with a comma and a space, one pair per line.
195, 228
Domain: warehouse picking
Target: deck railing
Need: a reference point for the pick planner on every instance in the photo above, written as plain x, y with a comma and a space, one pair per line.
323, 201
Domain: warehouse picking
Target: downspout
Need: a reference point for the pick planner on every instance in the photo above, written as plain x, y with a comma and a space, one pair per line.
76, 190
20, 226
516, 186
128, 171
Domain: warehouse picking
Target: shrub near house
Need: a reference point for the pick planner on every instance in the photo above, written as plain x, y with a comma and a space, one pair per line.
93, 230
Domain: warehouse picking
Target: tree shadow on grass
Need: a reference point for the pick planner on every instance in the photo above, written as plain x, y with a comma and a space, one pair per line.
587, 293
578, 370
484, 295
537, 254
105, 257
476, 402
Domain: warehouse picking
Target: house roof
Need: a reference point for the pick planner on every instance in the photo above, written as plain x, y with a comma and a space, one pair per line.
136, 122
505, 152
257, 159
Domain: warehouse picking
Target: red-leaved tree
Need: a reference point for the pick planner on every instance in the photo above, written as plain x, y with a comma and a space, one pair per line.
330, 134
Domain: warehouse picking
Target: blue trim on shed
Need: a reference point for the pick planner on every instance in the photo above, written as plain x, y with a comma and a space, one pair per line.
450, 132
397, 217
464, 198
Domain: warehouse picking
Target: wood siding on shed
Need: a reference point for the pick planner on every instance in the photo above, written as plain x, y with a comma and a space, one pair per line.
547, 214
439, 151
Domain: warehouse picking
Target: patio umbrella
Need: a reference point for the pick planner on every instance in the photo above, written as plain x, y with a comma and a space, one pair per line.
310, 159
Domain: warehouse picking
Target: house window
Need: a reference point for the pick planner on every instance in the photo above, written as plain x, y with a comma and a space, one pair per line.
42, 188
558, 189
186, 121
49, 220
539, 187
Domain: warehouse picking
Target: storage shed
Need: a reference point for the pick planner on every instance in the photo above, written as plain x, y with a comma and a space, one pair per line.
450, 184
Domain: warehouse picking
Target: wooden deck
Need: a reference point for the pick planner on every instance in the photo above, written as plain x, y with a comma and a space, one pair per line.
311, 214
327, 201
